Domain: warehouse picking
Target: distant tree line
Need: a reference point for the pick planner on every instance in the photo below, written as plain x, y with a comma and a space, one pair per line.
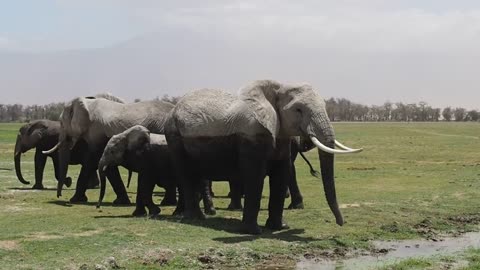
338, 109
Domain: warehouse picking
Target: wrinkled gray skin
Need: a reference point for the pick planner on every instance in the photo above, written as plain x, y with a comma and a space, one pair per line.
95, 120
43, 135
147, 154
214, 134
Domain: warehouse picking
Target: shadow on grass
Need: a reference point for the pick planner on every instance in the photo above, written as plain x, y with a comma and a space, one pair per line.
229, 225
6, 169
29, 188
108, 204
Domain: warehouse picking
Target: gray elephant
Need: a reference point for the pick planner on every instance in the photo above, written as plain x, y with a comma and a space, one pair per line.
95, 120
43, 135
215, 134
146, 153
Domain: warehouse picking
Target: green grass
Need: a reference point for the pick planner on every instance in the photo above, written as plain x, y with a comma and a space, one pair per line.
409, 174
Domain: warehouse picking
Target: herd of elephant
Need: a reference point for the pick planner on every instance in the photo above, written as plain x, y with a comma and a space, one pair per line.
209, 135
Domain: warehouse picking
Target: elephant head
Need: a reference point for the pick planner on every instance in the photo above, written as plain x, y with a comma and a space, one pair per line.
298, 110
76, 122
29, 136
132, 141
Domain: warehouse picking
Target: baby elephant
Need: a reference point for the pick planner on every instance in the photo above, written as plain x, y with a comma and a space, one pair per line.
140, 151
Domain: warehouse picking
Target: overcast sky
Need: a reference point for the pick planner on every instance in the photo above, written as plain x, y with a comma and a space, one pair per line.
368, 51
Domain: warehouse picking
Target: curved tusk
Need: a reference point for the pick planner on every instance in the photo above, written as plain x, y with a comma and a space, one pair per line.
343, 147
104, 168
331, 150
53, 149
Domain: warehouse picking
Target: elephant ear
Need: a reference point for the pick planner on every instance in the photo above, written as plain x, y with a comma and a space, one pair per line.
137, 136
36, 129
260, 98
79, 116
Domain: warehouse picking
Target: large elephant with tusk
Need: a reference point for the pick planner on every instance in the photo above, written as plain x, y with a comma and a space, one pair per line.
215, 134
95, 120
43, 135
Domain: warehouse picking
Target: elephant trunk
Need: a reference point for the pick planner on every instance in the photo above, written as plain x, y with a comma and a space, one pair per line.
101, 171
64, 157
17, 159
328, 178
322, 130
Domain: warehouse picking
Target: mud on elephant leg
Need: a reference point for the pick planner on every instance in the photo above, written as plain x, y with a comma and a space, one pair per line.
206, 195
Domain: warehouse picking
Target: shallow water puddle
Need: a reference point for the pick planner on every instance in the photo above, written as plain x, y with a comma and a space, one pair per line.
397, 250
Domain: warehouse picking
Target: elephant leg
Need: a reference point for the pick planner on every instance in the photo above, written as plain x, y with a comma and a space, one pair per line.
56, 169
170, 198
115, 180
236, 192
208, 207
211, 189
280, 172
252, 166
139, 202
40, 161
146, 186
93, 180
189, 205
81, 187
296, 196
89, 166
180, 204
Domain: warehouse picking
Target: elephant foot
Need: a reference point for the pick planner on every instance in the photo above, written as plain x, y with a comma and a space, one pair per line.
251, 228
154, 211
38, 186
68, 182
193, 214
139, 212
211, 211
178, 212
79, 198
235, 206
276, 225
124, 200
168, 202
296, 205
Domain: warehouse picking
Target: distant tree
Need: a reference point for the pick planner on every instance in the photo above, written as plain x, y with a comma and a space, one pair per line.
472, 115
447, 114
331, 106
459, 114
137, 100
14, 112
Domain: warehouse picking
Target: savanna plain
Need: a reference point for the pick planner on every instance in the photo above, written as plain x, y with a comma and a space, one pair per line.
412, 181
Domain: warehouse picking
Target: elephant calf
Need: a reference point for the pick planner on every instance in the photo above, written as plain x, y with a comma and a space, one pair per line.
43, 135
138, 150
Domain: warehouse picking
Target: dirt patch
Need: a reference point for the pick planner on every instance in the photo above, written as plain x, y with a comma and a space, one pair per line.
8, 245
17, 208
158, 257
466, 219
349, 205
40, 236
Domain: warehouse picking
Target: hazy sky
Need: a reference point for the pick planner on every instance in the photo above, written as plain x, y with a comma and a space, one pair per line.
368, 51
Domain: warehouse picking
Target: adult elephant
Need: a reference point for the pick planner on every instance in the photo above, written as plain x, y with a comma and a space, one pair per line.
43, 135
214, 134
95, 120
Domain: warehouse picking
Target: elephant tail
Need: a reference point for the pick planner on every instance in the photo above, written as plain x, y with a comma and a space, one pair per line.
313, 172
129, 178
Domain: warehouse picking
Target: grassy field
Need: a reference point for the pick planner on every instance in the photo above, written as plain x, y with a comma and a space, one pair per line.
412, 181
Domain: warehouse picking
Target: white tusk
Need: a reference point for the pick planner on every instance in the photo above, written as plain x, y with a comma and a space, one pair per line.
53, 149
331, 150
104, 168
341, 146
